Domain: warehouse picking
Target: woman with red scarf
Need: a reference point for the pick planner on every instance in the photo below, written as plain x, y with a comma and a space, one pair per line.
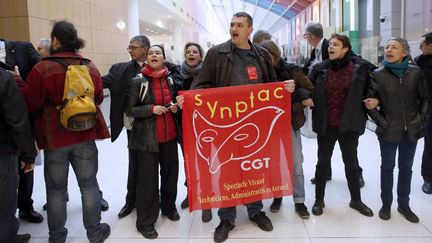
154, 137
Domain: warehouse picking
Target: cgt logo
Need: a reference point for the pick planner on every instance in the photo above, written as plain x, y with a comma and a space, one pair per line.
256, 164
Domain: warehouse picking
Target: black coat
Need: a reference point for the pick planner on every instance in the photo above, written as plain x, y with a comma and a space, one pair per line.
354, 112
21, 54
117, 81
425, 63
404, 104
324, 55
15, 134
143, 135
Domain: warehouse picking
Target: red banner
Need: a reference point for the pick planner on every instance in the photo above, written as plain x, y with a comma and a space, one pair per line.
237, 143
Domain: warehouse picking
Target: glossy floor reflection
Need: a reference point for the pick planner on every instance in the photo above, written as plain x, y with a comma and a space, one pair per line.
339, 223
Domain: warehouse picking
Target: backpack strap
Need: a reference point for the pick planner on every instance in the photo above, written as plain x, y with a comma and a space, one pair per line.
62, 60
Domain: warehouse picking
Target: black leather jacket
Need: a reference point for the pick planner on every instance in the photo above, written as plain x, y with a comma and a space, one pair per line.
403, 104
143, 135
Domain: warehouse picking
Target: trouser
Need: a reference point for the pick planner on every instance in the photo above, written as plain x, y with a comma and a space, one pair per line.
147, 192
426, 167
230, 213
25, 189
406, 150
297, 158
8, 197
132, 174
83, 158
348, 143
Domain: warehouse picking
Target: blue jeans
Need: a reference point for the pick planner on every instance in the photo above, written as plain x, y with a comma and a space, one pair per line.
405, 161
297, 158
8, 197
83, 158
230, 213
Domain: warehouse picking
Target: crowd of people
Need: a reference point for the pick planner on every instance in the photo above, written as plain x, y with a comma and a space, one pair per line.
340, 87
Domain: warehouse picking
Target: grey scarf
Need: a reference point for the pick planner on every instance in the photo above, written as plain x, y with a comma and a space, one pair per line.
190, 72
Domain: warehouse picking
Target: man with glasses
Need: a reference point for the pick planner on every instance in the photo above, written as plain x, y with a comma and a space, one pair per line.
314, 36
424, 61
117, 81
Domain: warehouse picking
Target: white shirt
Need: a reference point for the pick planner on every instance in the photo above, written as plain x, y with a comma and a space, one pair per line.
318, 51
2, 52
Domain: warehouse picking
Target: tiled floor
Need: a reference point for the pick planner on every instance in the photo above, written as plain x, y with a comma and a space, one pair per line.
339, 223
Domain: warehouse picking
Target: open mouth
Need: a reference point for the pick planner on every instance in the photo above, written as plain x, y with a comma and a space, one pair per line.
331, 52
154, 61
191, 59
234, 35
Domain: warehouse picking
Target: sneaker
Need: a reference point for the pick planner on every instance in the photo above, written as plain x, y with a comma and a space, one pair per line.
222, 230
302, 211
408, 214
276, 204
148, 232
262, 221
185, 203
384, 212
206, 215
106, 231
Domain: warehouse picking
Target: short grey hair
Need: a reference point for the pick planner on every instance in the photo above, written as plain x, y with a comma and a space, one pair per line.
403, 42
142, 39
315, 28
45, 43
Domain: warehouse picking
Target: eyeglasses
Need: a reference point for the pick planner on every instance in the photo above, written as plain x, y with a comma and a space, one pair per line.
307, 35
133, 48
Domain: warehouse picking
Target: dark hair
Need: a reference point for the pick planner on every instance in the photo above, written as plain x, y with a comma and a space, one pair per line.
260, 36
200, 49
142, 39
344, 39
315, 28
66, 33
161, 47
246, 15
272, 48
428, 38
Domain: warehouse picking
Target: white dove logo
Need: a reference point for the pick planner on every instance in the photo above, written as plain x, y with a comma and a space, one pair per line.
220, 144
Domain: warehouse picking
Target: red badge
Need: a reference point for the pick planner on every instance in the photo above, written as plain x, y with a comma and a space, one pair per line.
252, 73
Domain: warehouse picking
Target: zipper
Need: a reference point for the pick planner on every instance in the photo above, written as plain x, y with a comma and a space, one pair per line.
403, 104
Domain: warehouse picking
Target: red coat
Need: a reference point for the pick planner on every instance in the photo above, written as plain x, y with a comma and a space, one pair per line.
43, 92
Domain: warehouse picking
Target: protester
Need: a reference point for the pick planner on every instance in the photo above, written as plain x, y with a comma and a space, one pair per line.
338, 115
400, 90
153, 138
227, 64
43, 94
299, 100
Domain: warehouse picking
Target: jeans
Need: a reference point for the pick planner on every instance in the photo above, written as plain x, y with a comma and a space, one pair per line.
405, 161
297, 157
8, 194
348, 142
83, 158
230, 213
